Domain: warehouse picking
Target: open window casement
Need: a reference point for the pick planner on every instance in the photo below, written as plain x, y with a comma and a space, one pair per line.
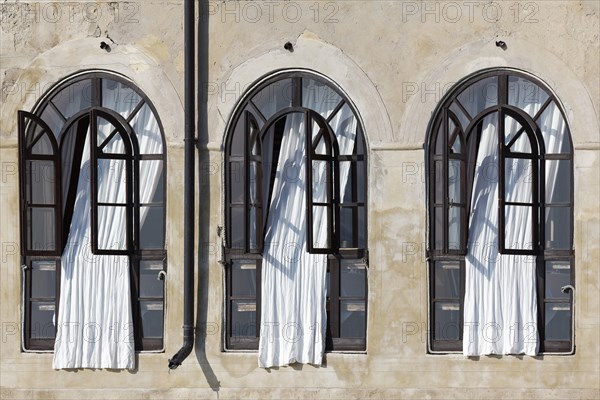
41, 198
111, 185
500, 211
518, 192
92, 186
322, 222
253, 163
295, 220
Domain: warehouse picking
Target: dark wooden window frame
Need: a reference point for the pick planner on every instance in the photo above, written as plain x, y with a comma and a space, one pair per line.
538, 158
335, 253
134, 251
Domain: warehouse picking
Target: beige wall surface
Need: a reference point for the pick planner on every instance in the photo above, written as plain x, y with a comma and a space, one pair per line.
394, 60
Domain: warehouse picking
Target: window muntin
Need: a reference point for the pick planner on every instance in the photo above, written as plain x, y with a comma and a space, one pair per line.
51, 149
534, 143
252, 154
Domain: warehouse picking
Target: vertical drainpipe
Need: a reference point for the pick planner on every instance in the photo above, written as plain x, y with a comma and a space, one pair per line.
189, 184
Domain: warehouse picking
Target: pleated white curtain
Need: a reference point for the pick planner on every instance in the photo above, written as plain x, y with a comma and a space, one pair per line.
293, 299
500, 306
500, 315
94, 326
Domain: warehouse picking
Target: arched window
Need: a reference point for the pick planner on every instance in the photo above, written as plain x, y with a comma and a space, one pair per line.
93, 173
500, 190
296, 202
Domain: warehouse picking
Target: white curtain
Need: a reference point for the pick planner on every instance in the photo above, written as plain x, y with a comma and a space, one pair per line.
500, 306
95, 327
500, 315
293, 302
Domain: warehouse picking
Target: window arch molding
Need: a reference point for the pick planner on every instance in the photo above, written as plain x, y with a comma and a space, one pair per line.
270, 106
534, 146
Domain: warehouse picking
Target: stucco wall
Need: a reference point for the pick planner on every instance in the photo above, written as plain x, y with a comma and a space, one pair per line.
394, 60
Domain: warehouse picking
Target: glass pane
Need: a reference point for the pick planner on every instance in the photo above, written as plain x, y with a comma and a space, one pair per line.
236, 182
41, 229
73, 98
558, 274
522, 144
353, 318
112, 228
439, 141
320, 181
352, 181
321, 227
322, 147
113, 146
43, 279
237, 140
328, 288
112, 181
347, 227
480, 95
255, 148
558, 321
150, 284
447, 280
43, 146
119, 97
319, 97
439, 228
243, 318
518, 177
454, 181
361, 182
344, 126
456, 145
455, 109
526, 95
236, 231
32, 131
254, 182
243, 278
104, 129
41, 181
147, 130
446, 321
152, 227
558, 228
346, 181
454, 227
253, 228
362, 227
554, 130
511, 128
42, 314
518, 228
152, 319
52, 119
353, 279
274, 97
558, 181
152, 181
437, 184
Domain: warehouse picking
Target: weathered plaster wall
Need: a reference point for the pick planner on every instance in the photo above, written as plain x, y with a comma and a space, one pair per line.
395, 60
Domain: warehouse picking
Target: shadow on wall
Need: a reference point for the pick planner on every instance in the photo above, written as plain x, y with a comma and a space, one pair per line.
204, 194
